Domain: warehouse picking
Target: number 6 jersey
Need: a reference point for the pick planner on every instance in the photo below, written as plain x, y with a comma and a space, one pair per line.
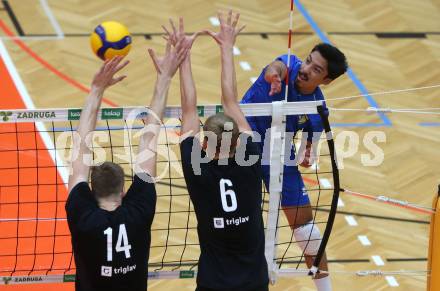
111, 248
227, 201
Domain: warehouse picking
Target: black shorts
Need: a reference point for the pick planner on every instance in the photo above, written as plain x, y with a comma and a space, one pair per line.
259, 288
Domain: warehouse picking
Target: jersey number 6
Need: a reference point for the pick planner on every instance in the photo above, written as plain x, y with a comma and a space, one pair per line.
121, 245
224, 195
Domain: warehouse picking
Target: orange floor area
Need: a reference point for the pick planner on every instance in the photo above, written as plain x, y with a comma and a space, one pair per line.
30, 189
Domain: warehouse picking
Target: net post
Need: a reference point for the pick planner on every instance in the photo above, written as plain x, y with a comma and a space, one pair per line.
433, 282
277, 133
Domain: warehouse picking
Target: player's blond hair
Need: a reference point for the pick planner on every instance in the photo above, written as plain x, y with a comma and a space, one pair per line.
222, 123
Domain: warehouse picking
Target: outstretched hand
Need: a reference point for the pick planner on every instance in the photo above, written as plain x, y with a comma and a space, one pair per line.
179, 35
105, 77
228, 30
168, 64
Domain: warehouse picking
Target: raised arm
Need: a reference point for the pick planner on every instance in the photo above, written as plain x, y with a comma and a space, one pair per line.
188, 95
166, 67
226, 40
103, 79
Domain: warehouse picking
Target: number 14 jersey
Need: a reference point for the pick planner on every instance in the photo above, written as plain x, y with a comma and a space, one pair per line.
111, 248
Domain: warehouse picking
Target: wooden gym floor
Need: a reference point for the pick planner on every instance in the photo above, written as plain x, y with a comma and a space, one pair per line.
389, 44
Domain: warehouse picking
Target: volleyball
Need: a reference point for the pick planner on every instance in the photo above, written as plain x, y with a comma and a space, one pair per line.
110, 39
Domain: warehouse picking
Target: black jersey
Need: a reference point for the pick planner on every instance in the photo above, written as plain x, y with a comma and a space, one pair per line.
111, 248
227, 202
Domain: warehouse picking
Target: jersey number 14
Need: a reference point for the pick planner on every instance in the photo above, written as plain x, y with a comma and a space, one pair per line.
121, 244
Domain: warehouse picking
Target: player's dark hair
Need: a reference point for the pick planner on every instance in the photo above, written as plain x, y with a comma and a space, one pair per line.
220, 123
107, 179
336, 60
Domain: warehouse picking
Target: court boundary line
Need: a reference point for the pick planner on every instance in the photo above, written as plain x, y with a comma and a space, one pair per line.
429, 124
13, 17
53, 21
27, 100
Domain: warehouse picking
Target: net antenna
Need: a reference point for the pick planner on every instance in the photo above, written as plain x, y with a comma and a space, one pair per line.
336, 190
278, 130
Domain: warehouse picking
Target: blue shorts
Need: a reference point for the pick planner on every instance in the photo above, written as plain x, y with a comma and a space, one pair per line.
294, 192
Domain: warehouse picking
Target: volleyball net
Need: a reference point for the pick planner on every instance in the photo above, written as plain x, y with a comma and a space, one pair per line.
35, 151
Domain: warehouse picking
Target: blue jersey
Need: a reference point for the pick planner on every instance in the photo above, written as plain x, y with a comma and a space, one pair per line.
294, 192
259, 93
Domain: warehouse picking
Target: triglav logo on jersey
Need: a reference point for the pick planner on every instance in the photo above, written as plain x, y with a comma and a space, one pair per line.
219, 222
237, 221
106, 271
124, 270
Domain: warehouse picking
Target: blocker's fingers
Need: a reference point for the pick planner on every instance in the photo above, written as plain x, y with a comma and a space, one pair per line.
181, 29
220, 18
180, 45
118, 79
107, 65
154, 59
241, 28
196, 34
168, 48
114, 62
234, 23
173, 26
121, 66
212, 34
166, 30
182, 54
102, 68
228, 22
